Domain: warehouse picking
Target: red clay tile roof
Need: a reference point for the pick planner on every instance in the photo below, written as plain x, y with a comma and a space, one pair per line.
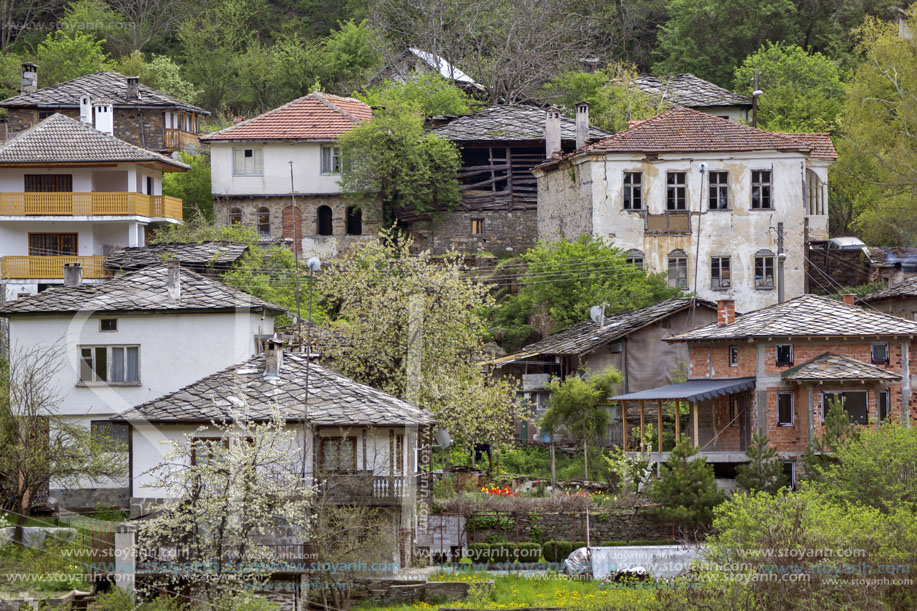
317, 116
683, 130
822, 146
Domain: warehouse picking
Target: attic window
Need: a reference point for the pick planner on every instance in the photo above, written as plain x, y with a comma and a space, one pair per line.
108, 324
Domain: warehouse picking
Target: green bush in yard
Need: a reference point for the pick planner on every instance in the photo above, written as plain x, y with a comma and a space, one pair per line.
479, 552
557, 551
528, 552
503, 552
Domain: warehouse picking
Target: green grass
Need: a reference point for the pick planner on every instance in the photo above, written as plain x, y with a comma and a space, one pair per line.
56, 567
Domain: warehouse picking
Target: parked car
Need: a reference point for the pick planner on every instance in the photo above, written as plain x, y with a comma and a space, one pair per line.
847, 243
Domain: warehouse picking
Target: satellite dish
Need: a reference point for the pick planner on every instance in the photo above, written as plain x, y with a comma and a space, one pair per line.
443, 439
596, 313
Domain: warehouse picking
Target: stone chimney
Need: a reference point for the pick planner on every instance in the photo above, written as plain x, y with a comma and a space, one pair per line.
849, 299
29, 83
173, 284
273, 359
897, 275
4, 130
725, 312
73, 274
582, 124
552, 133
133, 88
86, 109
105, 117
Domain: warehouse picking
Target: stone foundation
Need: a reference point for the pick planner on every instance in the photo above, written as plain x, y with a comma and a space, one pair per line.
503, 232
81, 499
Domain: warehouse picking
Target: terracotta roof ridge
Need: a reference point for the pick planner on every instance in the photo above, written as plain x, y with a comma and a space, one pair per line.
263, 115
321, 97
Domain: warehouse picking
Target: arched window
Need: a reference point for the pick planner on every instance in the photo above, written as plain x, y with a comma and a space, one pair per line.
634, 257
324, 220
354, 220
264, 222
235, 216
678, 269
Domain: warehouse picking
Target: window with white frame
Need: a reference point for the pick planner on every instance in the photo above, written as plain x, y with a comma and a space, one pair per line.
331, 160
720, 278
676, 197
247, 162
764, 269
761, 190
784, 409
633, 190
110, 364
719, 190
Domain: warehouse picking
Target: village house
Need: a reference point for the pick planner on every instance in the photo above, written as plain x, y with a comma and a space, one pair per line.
692, 92
499, 147
364, 446
898, 299
71, 192
138, 114
630, 342
774, 371
724, 209
412, 62
257, 166
131, 339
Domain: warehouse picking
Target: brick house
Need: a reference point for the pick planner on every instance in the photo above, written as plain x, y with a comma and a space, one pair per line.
140, 115
251, 174
774, 370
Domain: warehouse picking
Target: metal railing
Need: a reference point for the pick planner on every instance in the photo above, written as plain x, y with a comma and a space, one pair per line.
97, 203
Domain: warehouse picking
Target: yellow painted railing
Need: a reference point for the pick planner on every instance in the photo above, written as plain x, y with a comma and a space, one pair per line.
69, 204
49, 267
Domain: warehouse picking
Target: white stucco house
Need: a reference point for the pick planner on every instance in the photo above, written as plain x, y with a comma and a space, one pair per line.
131, 339
723, 209
363, 446
251, 165
70, 192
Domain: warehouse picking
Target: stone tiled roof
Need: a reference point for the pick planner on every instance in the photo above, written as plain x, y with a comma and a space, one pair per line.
199, 256
60, 139
508, 122
689, 90
143, 290
830, 367
99, 85
244, 390
317, 116
805, 316
906, 289
585, 337
683, 130
905, 256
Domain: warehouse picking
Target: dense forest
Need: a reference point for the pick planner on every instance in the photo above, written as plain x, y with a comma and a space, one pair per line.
840, 66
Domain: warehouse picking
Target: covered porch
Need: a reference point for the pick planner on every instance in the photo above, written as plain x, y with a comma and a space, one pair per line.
718, 413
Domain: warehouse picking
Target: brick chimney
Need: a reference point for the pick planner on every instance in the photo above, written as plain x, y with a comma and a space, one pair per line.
29, 83
4, 130
273, 359
849, 299
73, 274
173, 284
552, 133
133, 88
725, 312
582, 124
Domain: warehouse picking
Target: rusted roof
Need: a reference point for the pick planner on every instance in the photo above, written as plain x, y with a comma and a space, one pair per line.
334, 399
508, 122
585, 337
99, 85
804, 316
689, 90
830, 367
906, 289
60, 139
317, 116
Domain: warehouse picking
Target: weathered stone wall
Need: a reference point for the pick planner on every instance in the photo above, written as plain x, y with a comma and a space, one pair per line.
91, 498
565, 203
603, 526
127, 124
505, 231
905, 307
843, 267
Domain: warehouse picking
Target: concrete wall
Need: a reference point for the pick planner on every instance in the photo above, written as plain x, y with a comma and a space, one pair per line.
93, 237
121, 177
586, 196
307, 176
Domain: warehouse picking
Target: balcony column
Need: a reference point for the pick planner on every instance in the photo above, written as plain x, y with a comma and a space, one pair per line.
133, 234
696, 437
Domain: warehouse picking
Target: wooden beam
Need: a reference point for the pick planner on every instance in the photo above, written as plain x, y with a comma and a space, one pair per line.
624, 424
659, 423
642, 425
677, 420
696, 437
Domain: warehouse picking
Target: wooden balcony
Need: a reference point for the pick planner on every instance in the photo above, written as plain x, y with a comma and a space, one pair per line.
366, 488
22, 268
97, 203
179, 140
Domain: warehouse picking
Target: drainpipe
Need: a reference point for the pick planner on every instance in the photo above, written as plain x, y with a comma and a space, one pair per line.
781, 258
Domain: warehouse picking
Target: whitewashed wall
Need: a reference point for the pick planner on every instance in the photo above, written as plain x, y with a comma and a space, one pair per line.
130, 177
307, 176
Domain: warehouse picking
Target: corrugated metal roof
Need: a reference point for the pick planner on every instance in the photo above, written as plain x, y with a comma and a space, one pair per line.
692, 390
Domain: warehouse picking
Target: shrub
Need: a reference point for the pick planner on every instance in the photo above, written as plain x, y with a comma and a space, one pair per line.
479, 552
576, 545
557, 551
528, 552
637, 542
503, 552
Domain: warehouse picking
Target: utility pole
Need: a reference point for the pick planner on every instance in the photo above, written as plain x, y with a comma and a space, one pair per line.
314, 264
296, 246
781, 257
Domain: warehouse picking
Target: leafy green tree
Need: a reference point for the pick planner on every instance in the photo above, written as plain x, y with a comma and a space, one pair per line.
10, 74
414, 326
64, 56
427, 94
193, 186
391, 160
613, 101
577, 407
686, 488
97, 18
803, 92
837, 430
348, 57
584, 272
160, 73
762, 471
709, 38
